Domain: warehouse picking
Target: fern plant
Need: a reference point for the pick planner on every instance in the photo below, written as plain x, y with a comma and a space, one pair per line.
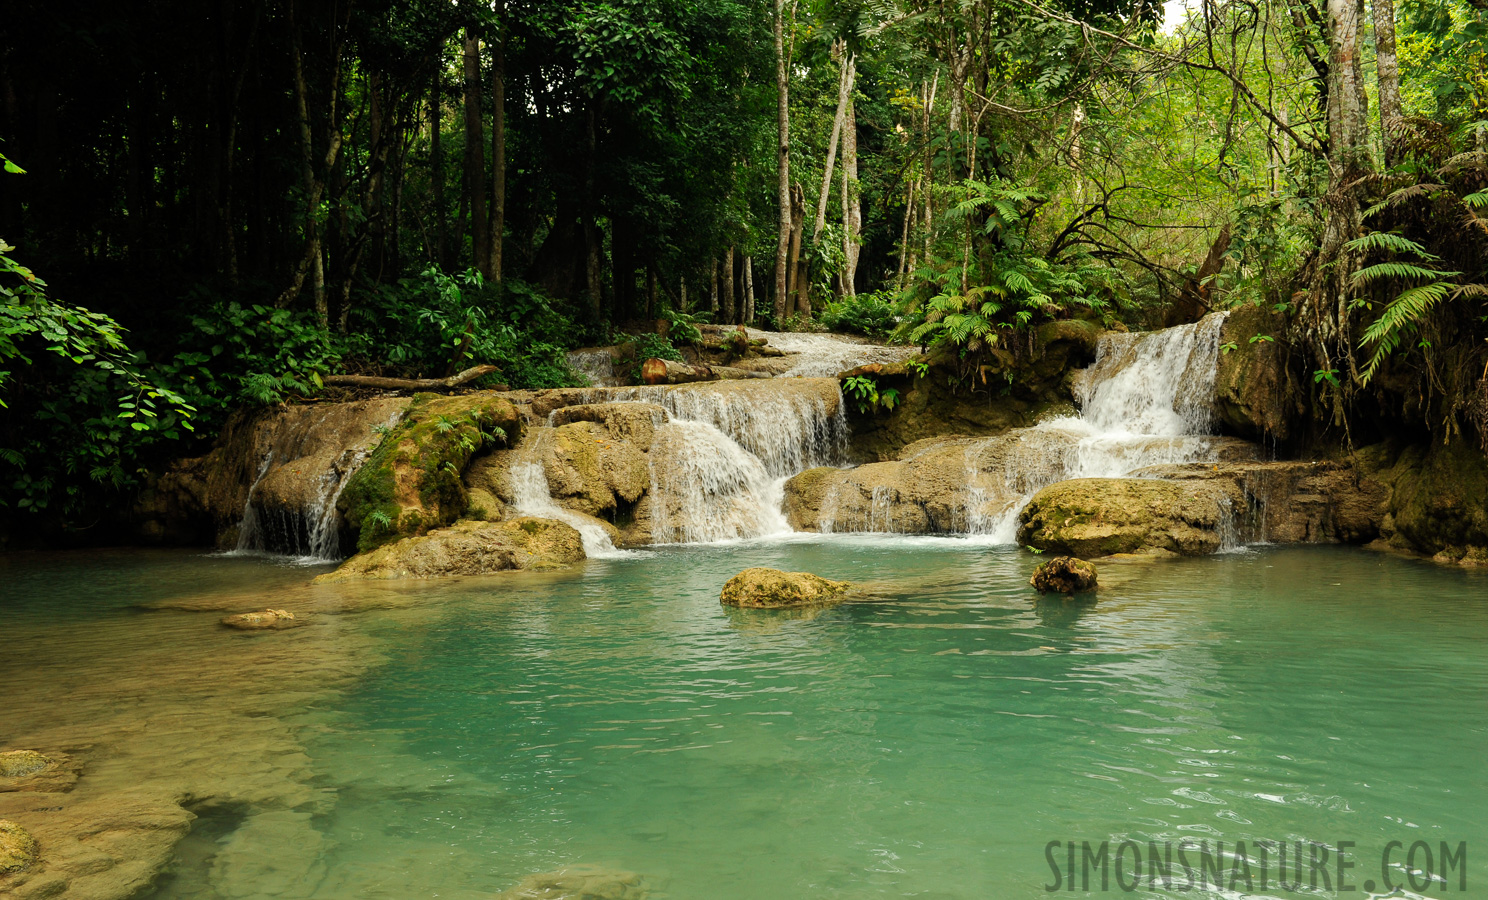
1402, 317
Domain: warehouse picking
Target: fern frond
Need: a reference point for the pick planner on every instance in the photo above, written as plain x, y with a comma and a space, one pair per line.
1403, 195
1398, 270
1384, 240
1401, 318
1470, 290
1476, 201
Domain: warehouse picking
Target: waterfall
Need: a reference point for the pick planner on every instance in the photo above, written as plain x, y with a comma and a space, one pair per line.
825, 355
532, 497
1147, 400
706, 487
308, 457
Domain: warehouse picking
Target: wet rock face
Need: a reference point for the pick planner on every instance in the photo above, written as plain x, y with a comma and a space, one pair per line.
1437, 502
1064, 575
1092, 517
761, 588
17, 848
1256, 394
468, 548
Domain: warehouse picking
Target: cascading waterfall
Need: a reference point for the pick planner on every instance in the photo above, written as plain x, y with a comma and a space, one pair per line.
706, 487
1147, 400
532, 497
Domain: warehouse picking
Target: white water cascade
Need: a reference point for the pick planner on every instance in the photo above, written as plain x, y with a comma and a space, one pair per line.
1147, 400
532, 497
824, 355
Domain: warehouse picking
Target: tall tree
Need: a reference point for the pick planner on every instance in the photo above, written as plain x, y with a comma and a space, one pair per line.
475, 155
782, 85
1388, 69
498, 142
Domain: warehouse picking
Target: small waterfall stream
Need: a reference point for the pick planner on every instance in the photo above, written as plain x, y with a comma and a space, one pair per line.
1147, 400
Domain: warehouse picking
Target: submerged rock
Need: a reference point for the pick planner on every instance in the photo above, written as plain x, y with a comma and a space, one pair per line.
579, 883
761, 588
34, 772
22, 763
17, 848
268, 619
468, 548
1088, 517
1064, 575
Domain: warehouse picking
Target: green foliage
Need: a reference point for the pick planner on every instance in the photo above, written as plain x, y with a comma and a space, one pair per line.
866, 394
1404, 315
653, 346
871, 314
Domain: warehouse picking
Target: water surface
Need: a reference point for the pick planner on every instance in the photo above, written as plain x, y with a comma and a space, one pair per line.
929, 743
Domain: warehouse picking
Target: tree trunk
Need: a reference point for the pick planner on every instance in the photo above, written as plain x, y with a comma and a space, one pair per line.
475, 157
799, 268
844, 91
782, 83
436, 163
498, 143
728, 287
713, 288
682, 293
748, 316
909, 207
591, 231
852, 201
1324, 320
927, 217
1388, 68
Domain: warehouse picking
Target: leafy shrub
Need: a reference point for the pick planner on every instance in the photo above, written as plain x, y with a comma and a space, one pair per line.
872, 315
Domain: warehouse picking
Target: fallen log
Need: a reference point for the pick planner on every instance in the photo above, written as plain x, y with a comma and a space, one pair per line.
409, 384
666, 371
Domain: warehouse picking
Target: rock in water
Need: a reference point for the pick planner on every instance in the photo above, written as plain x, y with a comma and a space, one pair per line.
1064, 575
268, 618
468, 548
580, 883
21, 763
773, 589
1088, 517
17, 848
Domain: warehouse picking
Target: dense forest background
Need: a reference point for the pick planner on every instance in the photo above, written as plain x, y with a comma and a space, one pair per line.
213, 204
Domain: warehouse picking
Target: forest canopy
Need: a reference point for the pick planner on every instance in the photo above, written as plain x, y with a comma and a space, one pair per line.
214, 204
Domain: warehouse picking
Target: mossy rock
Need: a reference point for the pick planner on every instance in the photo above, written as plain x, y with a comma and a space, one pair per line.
22, 763
1092, 517
761, 588
1064, 575
1438, 501
17, 848
412, 482
468, 548
1256, 393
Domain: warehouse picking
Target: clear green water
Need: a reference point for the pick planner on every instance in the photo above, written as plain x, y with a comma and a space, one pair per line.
928, 744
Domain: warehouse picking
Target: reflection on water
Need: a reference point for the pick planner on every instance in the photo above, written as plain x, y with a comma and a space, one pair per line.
453, 738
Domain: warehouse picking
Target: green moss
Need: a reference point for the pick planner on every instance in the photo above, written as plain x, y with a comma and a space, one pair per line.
412, 481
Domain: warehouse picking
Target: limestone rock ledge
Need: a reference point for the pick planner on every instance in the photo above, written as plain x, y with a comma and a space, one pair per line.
468, 548
1088, 517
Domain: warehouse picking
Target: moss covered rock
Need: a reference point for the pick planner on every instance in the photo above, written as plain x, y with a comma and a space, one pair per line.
761, 588
412, 482
1256, 394
1438, 498
17, 848
468, 548
1090, 517
1064, 575
263, 620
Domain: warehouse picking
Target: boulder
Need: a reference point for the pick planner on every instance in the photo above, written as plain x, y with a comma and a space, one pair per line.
34, 772
1090, 517
1437, 499
1293, 501
761, 588
591, 471
22, 763
412, 483
468, 548
1256, 394
17, 848
1063, 575
264, 620
633, 422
